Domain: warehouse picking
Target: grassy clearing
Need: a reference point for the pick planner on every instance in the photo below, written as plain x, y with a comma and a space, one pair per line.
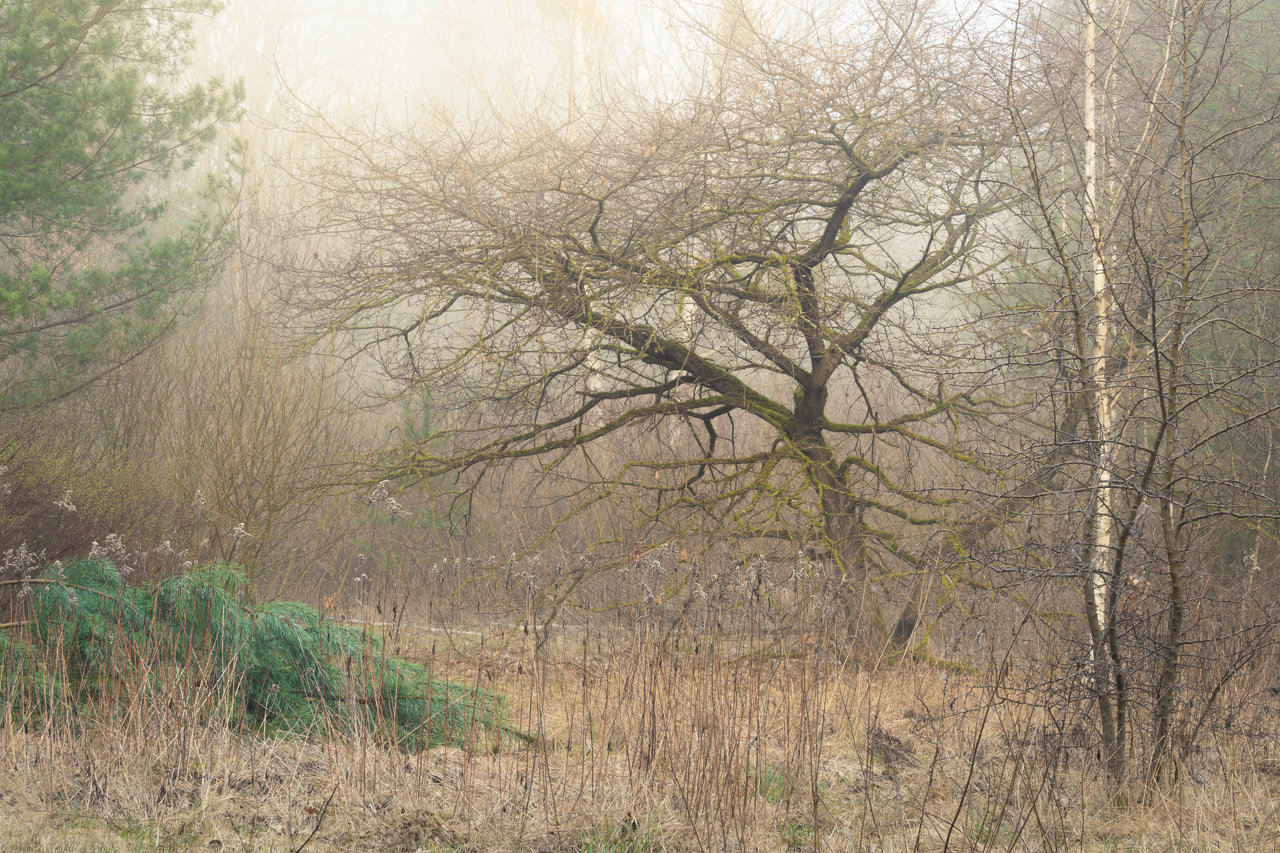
655, 732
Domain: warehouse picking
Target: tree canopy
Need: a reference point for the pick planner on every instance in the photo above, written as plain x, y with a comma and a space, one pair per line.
703, 271
99, 238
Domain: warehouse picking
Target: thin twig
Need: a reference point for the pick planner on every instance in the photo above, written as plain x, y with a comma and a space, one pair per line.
319, 820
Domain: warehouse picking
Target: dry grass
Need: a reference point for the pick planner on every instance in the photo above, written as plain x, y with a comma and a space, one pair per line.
659, 729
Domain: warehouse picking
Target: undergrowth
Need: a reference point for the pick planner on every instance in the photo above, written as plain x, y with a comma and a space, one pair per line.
280, 667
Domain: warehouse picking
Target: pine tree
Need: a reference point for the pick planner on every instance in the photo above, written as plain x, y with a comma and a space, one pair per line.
103, 231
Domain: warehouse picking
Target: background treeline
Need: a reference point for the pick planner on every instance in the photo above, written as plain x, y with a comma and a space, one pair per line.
962, 326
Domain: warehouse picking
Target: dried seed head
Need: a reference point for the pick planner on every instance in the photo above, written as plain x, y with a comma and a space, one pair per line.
21, 561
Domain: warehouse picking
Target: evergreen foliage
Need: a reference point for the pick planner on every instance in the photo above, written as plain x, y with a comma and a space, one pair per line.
24, 680
94, 127
282, 667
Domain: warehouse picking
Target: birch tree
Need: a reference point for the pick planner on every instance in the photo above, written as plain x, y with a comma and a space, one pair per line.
1151, 270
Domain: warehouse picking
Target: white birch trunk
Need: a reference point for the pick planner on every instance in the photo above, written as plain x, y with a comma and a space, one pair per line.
1101, 523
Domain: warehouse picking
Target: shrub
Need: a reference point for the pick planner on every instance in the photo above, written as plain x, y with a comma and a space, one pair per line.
280, 667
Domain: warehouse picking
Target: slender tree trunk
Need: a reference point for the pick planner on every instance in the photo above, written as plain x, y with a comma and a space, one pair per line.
1167, 680
1101, 521
1100, 594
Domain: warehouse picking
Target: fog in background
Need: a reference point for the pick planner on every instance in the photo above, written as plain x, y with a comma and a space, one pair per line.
389, 62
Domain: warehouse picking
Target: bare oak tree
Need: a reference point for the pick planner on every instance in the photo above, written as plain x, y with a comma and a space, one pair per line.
762, 272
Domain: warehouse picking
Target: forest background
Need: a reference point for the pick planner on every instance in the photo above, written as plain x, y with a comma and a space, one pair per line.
851, 353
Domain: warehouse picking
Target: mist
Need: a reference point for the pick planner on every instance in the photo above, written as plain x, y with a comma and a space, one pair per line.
556, 424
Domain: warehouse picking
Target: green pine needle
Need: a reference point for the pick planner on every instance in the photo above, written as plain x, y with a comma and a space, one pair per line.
282, 668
